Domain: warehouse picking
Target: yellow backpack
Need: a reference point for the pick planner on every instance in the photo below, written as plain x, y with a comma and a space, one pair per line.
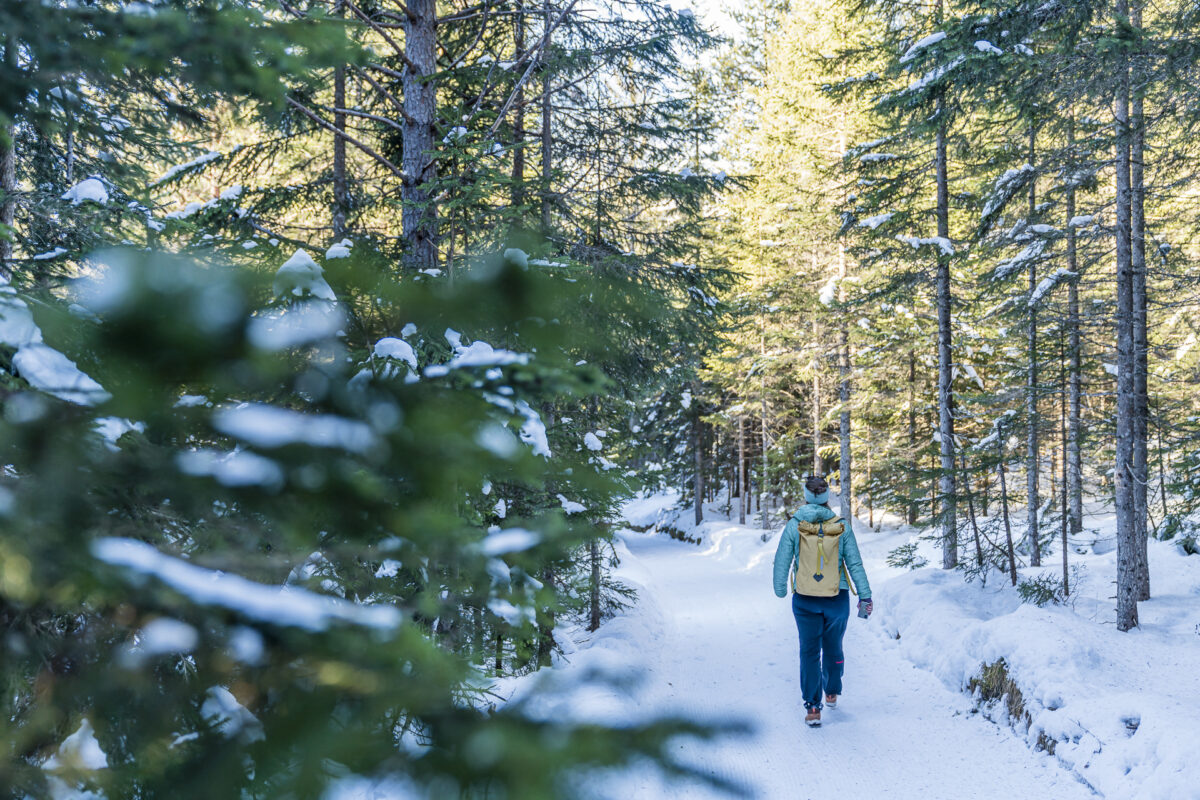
817, 559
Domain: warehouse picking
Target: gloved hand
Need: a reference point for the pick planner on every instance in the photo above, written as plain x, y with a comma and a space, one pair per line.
865, 607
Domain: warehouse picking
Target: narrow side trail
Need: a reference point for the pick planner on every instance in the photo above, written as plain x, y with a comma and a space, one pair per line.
718, 645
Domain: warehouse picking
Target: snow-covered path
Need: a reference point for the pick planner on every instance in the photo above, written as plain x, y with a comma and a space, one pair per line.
715, 643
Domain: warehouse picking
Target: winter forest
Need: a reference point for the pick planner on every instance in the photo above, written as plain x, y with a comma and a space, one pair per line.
404, 399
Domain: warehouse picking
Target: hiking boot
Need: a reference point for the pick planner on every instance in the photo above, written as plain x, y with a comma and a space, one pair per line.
831, 701
813, 718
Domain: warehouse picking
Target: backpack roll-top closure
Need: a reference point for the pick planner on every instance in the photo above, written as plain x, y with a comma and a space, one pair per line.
817, 571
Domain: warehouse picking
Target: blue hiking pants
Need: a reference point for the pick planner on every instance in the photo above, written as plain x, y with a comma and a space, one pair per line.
821, 622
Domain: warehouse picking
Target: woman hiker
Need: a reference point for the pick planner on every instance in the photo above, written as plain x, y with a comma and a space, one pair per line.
816, 552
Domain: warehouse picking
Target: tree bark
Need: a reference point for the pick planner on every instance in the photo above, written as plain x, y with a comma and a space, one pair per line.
698, 475
8, 198
1126, 508
912, 435
971, 513
1032, 453
742, 470
1063, 432
594, 599
845, 455
8, 175
1141, 400
518, 165
419, 210
340, 195
945, 363
1012, 556
1074, 482
818, 462
547, 120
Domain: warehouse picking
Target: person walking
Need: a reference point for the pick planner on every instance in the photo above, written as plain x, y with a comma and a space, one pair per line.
819, 555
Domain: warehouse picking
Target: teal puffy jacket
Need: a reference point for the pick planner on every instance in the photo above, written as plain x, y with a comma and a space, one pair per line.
848, 555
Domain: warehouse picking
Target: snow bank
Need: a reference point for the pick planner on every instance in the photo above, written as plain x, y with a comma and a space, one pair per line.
1116, 708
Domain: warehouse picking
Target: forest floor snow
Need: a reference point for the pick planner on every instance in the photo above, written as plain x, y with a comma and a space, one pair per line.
707, 639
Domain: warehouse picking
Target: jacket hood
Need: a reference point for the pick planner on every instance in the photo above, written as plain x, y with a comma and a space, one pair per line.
814, 513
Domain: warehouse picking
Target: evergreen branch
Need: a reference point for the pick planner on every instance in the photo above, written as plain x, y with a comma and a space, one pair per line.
401, 174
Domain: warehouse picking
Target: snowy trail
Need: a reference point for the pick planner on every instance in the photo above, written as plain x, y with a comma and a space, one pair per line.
726, 648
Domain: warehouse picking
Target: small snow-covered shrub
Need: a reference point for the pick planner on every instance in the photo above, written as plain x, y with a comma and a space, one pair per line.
1189, 544
906, 557
1042, 590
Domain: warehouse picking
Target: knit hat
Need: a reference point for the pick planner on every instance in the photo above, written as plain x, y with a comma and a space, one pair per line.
816, 491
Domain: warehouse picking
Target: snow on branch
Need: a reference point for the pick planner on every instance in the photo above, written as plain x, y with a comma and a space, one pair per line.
276, 605
1005, 188
1061, 276
944, 244
1031, 252
920, 45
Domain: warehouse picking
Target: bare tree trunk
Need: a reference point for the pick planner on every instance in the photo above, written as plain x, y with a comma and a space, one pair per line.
945, 364
870, 490
912, 433
419, 210
594, 600
1074, 481
742, 470
1162, 466
1141, 400
8, 197
1126, 504
1032, 453
341, 201
971, 512
1012, 556
818, 462
547, 119
698, 475
1063, 431
844, 398
518, 166
8, 175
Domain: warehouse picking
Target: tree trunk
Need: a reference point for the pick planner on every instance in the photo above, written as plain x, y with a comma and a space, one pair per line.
545, 649
971, 512
698, 475
1063, 440
912, 435
766, 522
945, 365
547, 119
518, 165
742, 470
1012, 556
818, 462
844, 455
8, 198
1032, 454
1126, 507
1141, 401
870, 489
1074, 456
419, 211
594, 600
8, 175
